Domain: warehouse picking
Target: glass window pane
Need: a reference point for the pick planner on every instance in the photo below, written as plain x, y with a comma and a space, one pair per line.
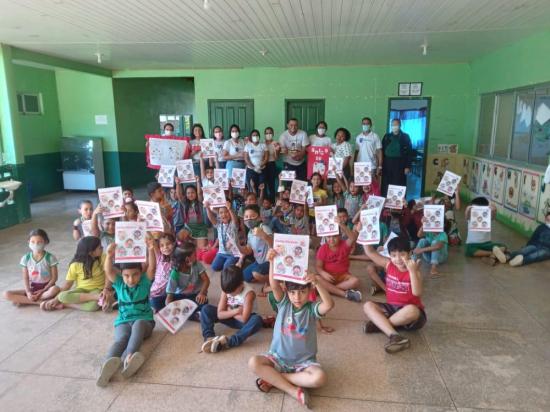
505, 117
485, 125
32, 103
522, 126
540, 140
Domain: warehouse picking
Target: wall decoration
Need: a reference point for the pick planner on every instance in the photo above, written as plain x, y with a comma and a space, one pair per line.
474, 175
498, 183
544, 202
511, 192
529, 194
485, 179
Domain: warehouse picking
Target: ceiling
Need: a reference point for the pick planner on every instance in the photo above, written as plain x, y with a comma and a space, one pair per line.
162, 34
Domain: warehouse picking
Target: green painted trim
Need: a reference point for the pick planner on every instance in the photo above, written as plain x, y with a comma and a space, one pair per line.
43, 174
133, 169
20, 211
44, 61
111, 166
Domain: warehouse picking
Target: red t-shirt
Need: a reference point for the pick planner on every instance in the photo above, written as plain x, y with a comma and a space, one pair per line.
398, 288
335, 262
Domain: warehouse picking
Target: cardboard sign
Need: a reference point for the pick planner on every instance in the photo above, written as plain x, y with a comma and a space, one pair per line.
214, 195
221, 178
185, 171
376, 202
111, 201
238, 178
385, 252
480, 219
335, 166
130, 242
396, 197
87, 227
370, 227
298, 192
325, 220
291, 262
174, 315
208, 148
164, 150
287, 175
150, 213
166, 175
434, 216
449, 183
317, 160
362, 175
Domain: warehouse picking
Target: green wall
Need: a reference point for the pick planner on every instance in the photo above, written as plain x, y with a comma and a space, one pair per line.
138, 103
82, 96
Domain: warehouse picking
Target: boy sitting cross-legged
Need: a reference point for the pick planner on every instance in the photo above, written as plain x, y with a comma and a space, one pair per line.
291, 364
404, 308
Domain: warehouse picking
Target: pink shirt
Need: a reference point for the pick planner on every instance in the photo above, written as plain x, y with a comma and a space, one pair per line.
162, 274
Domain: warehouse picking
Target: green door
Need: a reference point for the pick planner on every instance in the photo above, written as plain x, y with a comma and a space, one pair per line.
308, 112
224, 113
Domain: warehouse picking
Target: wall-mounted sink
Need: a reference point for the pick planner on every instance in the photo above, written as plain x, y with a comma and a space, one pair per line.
10, 185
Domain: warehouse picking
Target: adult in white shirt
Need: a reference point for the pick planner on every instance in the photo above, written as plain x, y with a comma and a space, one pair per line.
320, 139
294, 142
270, 171
255, 157
368, 147
233, 150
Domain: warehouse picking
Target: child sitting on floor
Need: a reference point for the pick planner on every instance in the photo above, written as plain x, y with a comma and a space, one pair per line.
235, 309
479, 244
134, 322
156, 194
162, 253
332, 264
259, 240
404, 307
188, 279
107, 235
226, 224
433, 247
291, 363
39, 273
81, 229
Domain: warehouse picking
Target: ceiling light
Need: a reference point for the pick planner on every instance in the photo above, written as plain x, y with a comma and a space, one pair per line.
206, 5
98, 55
263, 52
424, 48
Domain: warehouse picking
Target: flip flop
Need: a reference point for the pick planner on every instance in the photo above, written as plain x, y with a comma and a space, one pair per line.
266, 385
108, 369
132, 366
303, 398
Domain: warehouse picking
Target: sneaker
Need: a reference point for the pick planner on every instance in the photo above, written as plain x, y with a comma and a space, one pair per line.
108, 369
214, 345
207, 345
397, 343
516, 261
499, 254
374, 289
354, 295
369, 327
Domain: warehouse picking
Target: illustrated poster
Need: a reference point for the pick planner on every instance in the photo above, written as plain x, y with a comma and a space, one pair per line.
370, 227
150, 212
511, 193
325, 220
111, 201
130, 242
434, 216
291, 262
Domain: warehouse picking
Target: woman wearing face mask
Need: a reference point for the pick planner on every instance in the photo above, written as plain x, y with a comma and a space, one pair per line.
342, 148
397, 152
217, 132
168, 129
255, 157
198, 134
233, 150
320, 139
270, 171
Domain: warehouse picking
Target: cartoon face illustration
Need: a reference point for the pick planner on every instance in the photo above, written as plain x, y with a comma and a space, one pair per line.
331, 227
325, 221
149, 216
121, 251
298, 251
137, 234
121, 234
116, 195
111, 203
289, 260
297, 271
137, 251
129, 243
280, 249
280, 268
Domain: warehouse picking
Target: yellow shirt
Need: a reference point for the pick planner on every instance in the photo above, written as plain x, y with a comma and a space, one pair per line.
97, 281
318, 195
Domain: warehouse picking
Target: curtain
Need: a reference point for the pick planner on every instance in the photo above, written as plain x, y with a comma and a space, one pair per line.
413, 122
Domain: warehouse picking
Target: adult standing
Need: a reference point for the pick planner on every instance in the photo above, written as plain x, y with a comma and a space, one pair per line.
320, 139
397, 152
198, 134
233, 150
271, 166
342, 149
368, 147
255, 157
294, 142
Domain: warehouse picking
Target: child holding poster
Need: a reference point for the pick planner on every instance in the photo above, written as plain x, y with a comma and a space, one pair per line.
353, 196
134, 322
107, 235
320, 197
433, 243
162, 253
191, 210
82, 226
332, 264
226, 224
259, 240
292, 356
156, 194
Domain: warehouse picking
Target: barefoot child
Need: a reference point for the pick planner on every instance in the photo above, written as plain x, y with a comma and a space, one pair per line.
39, 273
134, 322
404, 307
433, 247
235, 309
291, 363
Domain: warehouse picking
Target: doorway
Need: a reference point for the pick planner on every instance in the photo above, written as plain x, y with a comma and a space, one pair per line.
414, 113
308, 112
225, 113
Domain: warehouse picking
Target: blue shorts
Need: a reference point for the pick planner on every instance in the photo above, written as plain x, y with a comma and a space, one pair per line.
284, 367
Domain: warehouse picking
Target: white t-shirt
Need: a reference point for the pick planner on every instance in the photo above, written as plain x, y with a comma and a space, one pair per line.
297, 142
478, 237
39, 272
233, 148
255, 153
367, 147
317, 141
218, 148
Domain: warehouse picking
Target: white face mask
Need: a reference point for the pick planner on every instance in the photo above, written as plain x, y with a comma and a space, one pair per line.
168, 132
321, 132
395, 129
255, 139
268, 136
234, 135
36, 247
366, 127
218, 135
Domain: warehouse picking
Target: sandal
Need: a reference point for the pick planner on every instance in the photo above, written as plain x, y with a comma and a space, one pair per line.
303, 397
260, 383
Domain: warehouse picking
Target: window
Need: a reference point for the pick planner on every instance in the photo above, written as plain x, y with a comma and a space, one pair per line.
29, 103
515, 125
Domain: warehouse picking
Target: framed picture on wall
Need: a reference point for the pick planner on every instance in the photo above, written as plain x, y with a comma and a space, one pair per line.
403, 89
529, 194
498, 182
511, 193
416, 89
544, 202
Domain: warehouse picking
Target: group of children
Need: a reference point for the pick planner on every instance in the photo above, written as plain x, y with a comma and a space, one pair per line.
237, 240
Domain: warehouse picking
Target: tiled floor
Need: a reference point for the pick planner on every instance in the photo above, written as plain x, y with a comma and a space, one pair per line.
485, 346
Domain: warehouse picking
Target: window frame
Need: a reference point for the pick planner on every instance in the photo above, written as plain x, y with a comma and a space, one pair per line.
21, 98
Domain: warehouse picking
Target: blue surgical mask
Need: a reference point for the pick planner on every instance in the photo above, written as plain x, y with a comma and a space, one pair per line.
366, 127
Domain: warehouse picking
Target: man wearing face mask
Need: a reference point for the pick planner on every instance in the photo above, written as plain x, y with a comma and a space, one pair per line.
259, 241
368, 147
294, 142
397, 152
